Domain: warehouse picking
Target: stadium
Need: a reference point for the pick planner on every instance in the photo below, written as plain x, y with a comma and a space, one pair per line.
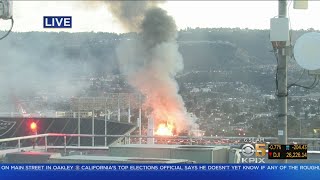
113, 86
95, 136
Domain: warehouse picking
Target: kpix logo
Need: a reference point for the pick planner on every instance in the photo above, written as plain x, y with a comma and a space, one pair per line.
248, 150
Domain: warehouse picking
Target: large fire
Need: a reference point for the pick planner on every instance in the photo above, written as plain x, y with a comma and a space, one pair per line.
164, 130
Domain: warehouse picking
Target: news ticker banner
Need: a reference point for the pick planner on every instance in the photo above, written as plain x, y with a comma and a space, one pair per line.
159, 167
159, 171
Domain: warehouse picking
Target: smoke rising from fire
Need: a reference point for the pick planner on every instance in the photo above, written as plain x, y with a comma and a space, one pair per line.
130, 13
152, 61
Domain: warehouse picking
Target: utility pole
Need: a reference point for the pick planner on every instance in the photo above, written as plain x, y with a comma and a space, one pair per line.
105, 124
140, 120
79, 123
282, 81
93, 129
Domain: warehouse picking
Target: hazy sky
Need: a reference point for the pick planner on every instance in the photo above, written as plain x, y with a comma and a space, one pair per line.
28, 15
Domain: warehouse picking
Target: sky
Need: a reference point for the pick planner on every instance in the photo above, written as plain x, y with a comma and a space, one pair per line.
28, 15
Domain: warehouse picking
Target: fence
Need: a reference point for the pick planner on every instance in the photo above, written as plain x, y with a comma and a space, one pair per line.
130, 139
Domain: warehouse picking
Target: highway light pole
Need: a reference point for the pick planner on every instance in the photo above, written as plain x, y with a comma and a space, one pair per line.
282, 81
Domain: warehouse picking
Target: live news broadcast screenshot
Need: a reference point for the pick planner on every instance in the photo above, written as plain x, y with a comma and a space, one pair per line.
159, 89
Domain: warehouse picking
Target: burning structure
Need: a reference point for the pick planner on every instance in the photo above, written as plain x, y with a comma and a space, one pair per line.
151, 63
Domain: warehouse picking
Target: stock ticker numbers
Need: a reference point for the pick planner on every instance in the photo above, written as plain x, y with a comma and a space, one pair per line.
295, 151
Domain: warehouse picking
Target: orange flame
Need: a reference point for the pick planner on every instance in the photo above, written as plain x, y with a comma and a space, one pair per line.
33, 126
164, 130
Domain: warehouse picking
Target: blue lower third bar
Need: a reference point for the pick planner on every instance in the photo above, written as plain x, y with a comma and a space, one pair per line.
159, 171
